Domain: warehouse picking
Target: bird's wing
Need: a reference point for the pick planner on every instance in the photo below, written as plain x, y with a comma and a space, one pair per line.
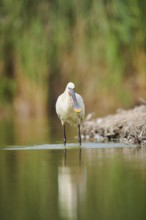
58, 105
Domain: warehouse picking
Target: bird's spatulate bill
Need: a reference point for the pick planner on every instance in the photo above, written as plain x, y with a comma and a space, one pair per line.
78, 110
76, 105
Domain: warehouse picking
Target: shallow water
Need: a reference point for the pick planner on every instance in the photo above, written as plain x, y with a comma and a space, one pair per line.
38, 181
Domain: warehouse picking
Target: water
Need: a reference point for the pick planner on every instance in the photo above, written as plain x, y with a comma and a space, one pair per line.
38, 181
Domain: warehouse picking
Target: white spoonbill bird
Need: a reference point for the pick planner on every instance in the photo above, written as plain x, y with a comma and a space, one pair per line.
70, 109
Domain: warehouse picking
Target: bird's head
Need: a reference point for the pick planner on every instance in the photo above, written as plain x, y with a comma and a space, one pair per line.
71, 85
71, 91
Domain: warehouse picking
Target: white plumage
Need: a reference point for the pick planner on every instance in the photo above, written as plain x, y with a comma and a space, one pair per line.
70, 108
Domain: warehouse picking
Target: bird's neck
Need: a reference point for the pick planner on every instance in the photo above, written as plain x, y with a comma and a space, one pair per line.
68, 99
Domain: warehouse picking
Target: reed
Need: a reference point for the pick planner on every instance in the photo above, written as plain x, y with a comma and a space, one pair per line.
100, 45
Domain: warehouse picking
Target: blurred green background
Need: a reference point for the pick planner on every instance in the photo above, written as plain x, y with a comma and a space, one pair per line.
100, 45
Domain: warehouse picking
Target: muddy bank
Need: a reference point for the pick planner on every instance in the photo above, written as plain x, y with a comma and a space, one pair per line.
126, 126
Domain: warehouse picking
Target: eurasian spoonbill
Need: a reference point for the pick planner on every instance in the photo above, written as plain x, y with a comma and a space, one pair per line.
70, 109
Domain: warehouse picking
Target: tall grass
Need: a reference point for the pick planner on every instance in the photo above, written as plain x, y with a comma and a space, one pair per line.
98, 44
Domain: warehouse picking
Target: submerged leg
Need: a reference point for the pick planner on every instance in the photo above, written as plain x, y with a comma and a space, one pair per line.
80, 154
65, 152
79, 135
64, 131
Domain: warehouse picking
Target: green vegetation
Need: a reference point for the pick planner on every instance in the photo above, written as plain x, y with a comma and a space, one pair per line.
98, 44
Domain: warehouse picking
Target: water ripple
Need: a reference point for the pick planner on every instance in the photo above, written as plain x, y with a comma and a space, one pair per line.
71, 145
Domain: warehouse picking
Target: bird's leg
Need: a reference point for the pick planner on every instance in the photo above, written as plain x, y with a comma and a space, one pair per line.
79, 135
64, 131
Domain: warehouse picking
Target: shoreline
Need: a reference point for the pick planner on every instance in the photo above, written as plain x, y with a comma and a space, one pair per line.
125, 126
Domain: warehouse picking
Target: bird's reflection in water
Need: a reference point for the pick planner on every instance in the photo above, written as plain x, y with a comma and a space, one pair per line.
71, 186
65, 155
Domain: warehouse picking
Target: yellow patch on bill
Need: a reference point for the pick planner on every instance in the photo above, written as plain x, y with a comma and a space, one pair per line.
78, 110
